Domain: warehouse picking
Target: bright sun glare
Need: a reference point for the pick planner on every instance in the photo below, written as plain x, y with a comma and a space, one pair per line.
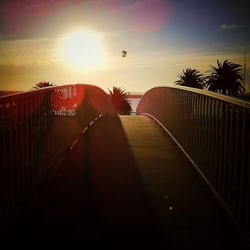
81, 48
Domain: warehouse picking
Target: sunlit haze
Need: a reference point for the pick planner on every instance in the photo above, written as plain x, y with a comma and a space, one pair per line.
81, 49
81, 41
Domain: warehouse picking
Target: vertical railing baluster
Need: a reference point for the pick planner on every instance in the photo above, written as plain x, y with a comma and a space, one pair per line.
189, 112
226, 154
235, 164
17, 150
16, 153
21, 149
247, 217
9, 168
198, 130
247, 143
230, 162
207, 145
202, 134
195, 125
31, 143
220, 146
36, 163
4, 160
186, 113
243, 168
25, 146
40, 134
213, 139
29, 171
209, 141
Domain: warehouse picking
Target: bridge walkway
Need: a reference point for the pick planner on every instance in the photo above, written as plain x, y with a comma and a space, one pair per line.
126, 181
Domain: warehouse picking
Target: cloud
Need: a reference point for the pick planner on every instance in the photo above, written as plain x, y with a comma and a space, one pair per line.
229, 26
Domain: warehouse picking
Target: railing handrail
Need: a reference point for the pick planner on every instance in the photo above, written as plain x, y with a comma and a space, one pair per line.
231, 99
32, 92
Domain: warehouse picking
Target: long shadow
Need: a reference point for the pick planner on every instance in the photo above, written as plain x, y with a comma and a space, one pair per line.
97, 194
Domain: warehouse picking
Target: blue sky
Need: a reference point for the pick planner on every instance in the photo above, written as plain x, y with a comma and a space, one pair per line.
162, 38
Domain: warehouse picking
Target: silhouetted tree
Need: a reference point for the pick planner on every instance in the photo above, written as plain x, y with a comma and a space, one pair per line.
226, 79
50, 98
118, 99
43, 85
191, 78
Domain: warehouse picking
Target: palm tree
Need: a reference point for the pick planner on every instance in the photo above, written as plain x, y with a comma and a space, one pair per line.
191, 78
119, 101
44, 84
226, 79
50, 98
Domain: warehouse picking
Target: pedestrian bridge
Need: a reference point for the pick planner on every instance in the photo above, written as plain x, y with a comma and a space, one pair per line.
177, 174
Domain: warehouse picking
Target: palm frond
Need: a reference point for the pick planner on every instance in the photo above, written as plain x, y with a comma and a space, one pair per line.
118, 98
43, 84
226, 78
190, 78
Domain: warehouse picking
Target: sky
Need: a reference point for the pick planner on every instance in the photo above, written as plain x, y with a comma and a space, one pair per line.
78, 41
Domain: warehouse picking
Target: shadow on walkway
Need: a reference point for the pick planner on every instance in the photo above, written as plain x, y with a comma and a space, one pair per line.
97, 194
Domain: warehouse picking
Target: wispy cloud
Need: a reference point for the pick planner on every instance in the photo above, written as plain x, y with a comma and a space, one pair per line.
229, 26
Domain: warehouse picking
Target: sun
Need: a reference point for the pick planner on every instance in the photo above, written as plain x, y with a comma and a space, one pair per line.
81, 48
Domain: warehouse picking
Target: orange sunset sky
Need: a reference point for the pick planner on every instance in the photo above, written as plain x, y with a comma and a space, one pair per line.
81, 41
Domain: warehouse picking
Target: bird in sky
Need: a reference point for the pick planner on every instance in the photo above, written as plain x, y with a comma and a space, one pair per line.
124, 53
